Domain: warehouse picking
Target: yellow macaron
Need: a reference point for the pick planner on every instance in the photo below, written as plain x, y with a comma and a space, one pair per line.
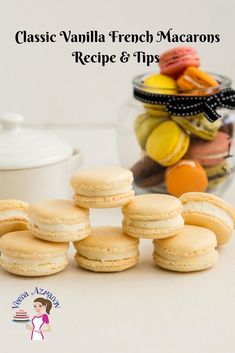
13, 216
102, 187
209, 211
192, 249
144, 125
167, 143
107, 249
152, 216
23, 254
58, 220
159, 84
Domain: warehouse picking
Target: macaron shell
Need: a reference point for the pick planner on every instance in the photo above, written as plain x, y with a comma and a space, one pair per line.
107, 237
191, 241
107, 249
150, 233
174, 61
17, 218
148, 173
144, 125
156, 110
209, 219
57, 211
23, 244
194, 78
152, 207
101, 178
181, 266
103, 202
210, 198
59, 237
12, 226
12, 204
221, 230
217, 174
167, 143
210, 153
184, 177
192, 249
160, 84
46, 270
152, 180
106, 266
198, 125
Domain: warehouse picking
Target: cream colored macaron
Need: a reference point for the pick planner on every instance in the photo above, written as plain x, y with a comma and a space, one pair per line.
193, 249
25, 255
211, 212
102, 187
107, 249
58, 220
153, 216
13, 216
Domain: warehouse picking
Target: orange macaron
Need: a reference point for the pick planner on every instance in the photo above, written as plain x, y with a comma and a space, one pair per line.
186, 176
196, 79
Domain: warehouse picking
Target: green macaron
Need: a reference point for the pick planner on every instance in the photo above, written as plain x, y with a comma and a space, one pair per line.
198, 125
217, 174
144, 125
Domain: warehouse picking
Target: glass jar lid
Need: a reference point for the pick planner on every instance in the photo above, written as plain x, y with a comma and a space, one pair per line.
139, 83
188, 102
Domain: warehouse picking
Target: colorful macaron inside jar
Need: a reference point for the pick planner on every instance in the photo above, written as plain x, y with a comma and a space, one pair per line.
176, 134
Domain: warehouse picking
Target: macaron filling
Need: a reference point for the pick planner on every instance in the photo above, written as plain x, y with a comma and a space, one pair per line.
58, 259
108, 254
210, 210
36, 265
197, 260
9, 215
106, 266
216, 155
110, 192
178, 150
172, 222
59, 227
195, 83
176, 255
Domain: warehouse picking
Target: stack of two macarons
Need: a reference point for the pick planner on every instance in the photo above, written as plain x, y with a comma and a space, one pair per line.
107, 248
168, 140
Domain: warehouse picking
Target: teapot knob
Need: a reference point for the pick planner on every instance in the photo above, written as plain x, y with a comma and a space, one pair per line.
11, 121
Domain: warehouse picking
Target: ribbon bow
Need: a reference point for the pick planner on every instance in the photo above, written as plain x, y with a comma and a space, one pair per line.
190, 105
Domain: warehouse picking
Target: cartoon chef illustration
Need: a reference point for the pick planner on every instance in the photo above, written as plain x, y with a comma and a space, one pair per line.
40, 322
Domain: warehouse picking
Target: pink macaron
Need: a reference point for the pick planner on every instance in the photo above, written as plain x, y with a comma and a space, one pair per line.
174, 61
210, 153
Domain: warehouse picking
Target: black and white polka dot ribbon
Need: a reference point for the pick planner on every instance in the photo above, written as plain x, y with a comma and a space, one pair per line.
190, 105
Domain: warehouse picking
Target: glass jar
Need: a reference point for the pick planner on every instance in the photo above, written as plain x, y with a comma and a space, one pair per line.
193, 111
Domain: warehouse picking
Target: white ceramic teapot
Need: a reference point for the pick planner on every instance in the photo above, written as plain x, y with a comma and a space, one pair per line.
34, 165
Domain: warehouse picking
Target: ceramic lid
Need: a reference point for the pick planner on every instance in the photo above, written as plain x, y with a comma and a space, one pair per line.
22, 148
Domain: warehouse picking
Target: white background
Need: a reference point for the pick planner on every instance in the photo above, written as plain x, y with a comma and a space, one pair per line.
144, 309
42, 82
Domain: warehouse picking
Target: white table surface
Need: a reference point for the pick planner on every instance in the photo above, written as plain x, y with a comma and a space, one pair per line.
144, 309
